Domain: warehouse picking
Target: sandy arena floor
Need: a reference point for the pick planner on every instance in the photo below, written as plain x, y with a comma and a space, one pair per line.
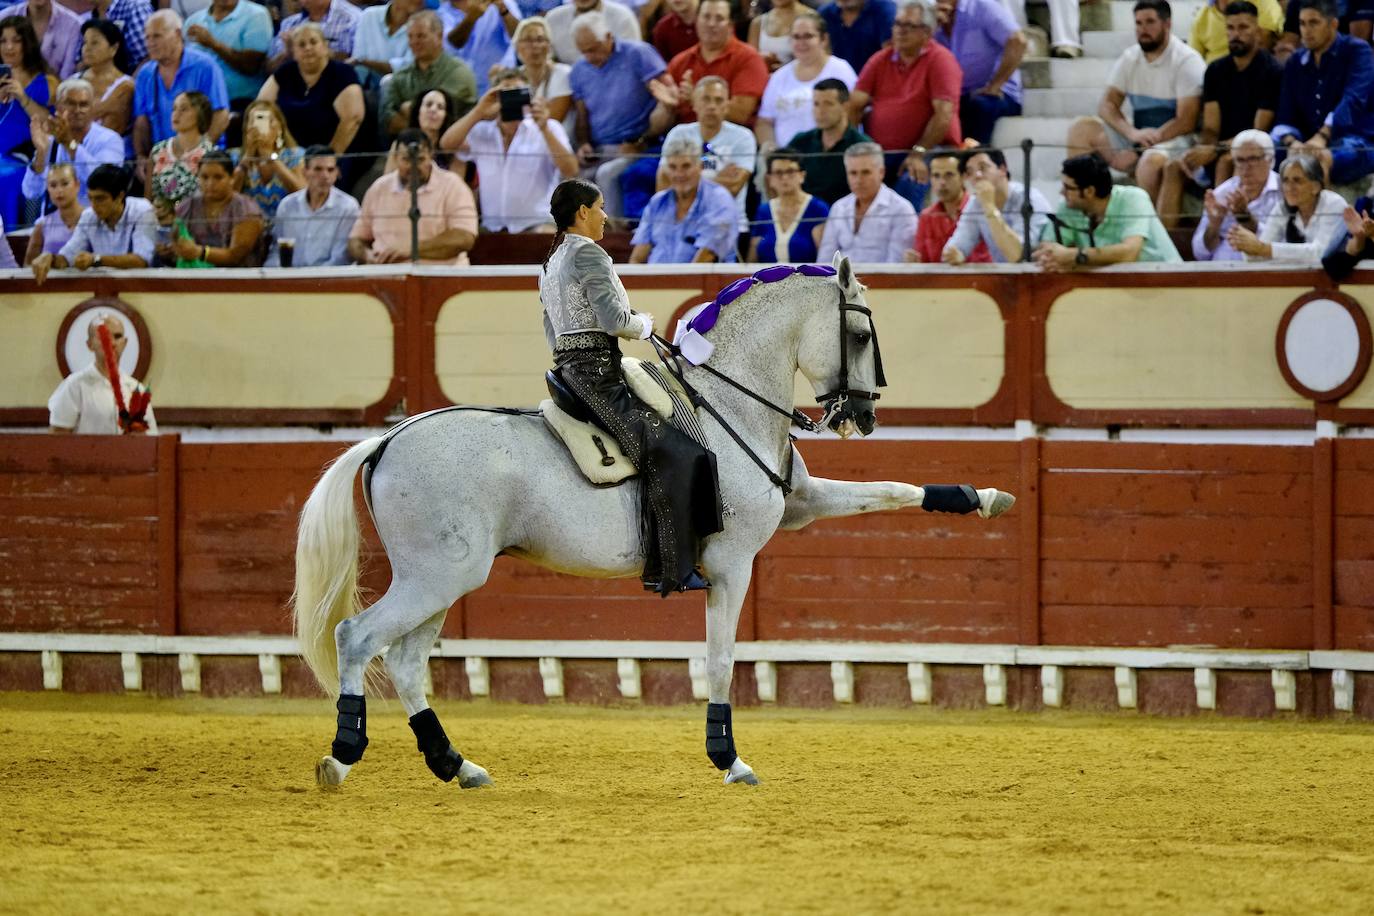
127, 804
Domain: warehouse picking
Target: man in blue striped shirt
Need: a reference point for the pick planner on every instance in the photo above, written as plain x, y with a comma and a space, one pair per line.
115, 231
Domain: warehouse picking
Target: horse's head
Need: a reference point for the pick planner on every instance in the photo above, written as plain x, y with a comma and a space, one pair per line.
839, 355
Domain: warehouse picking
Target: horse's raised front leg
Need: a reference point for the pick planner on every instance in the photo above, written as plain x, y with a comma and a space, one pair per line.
723, 603
816, 498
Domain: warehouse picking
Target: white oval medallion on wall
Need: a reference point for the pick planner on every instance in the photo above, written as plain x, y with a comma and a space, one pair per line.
74, 355
1323, 345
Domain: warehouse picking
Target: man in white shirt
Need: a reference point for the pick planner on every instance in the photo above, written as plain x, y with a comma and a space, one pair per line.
521, 157
1245, 199
620, 19
85, 401
315, 220
731, 149
1162, 78
76, 137
873, 224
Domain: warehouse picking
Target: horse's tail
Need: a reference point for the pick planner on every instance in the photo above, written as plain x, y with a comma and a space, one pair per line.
327, 544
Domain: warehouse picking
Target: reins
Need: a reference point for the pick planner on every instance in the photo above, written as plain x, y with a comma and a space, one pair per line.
669, 352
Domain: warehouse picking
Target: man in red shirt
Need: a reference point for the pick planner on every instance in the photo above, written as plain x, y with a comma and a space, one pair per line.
718, 53
938, 221
676, 30
913, 88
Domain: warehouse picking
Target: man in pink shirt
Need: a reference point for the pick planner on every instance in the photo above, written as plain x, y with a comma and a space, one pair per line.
448, 214
913, 88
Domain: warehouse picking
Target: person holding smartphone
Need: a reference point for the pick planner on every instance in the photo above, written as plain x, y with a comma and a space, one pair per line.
521, 153
26, 91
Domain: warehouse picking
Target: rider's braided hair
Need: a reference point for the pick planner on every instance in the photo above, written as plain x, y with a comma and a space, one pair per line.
569, 197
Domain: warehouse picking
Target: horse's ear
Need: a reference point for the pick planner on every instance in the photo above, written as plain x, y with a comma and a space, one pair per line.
844, 274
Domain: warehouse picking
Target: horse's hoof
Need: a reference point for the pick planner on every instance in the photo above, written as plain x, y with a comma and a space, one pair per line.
329, 773
471, 776
741, 772
992, 503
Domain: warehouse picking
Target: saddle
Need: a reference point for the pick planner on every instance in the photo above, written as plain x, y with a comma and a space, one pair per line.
594, 450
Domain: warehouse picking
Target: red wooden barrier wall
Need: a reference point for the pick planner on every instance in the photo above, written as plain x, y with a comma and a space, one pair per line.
1111, 544
88, 534
1353, 548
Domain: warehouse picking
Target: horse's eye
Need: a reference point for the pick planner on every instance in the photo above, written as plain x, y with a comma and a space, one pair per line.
862, 339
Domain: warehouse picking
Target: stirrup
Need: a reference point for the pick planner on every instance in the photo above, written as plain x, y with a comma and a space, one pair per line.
695, 581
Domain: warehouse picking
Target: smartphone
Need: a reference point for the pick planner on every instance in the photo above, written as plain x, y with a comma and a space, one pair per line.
513, 102
5, 71
261, 119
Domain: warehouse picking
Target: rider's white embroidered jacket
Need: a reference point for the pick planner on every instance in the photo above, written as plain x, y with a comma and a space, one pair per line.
581, 293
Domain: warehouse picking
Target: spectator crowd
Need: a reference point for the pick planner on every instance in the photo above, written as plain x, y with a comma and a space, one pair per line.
299, 133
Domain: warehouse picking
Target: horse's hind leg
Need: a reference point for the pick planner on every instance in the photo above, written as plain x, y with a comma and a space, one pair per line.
403, 608
406, 661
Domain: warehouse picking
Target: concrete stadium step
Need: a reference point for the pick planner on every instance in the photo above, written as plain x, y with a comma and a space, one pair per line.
1060, 103
1106, 45
1118, 16
1049, 188
1045, 166
1048, 72
1047, 155
1044, 131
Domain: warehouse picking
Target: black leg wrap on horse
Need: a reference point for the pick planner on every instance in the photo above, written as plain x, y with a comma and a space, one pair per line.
943, 497
351, 739
443, 761
720, 738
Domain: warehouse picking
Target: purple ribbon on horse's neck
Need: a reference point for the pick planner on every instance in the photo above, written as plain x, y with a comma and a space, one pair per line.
706, 319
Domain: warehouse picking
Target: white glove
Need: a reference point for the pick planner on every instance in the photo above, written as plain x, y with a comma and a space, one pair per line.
648, 326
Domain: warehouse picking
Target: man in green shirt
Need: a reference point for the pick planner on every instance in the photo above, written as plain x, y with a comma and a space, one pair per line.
432, 69
1098, 224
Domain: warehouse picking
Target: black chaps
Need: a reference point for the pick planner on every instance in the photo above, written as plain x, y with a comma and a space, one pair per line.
681, 494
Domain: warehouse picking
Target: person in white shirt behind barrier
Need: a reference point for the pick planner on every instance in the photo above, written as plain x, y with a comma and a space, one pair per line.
521, 154
86, 402
1303, 226
872, 224
314, 222
1244, 199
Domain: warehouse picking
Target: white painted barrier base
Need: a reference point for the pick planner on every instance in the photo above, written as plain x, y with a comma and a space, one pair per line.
765, 656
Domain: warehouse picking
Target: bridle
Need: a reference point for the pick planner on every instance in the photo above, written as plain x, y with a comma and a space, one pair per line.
836, 403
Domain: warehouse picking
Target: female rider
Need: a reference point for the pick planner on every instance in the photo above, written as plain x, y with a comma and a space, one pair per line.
585, 310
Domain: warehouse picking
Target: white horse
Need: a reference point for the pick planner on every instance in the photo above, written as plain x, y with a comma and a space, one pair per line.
451, 491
